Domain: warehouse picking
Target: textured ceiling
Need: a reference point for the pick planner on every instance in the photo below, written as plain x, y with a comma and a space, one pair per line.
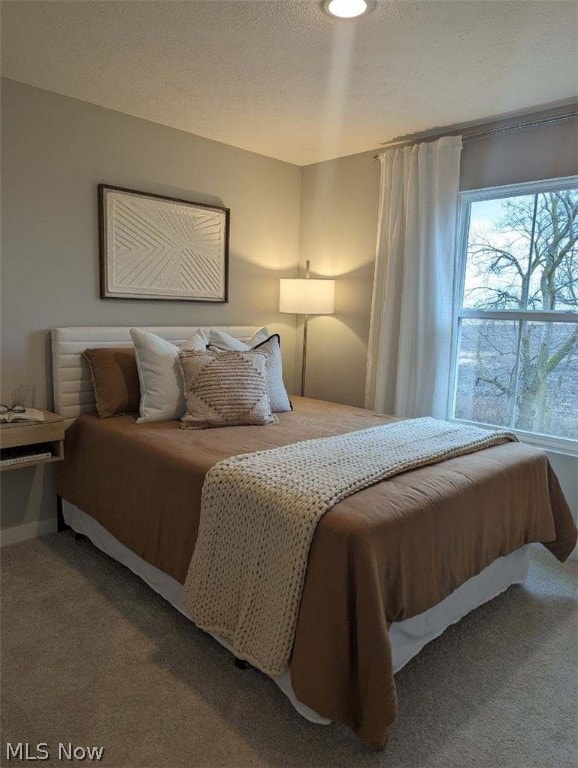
283, 79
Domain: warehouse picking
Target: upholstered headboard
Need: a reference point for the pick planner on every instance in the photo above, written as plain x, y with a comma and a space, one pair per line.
73, 393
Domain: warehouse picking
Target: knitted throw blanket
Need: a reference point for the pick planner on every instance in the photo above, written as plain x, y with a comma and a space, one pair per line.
259, 513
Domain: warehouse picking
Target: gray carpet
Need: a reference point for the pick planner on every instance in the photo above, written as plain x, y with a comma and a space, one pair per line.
91, 656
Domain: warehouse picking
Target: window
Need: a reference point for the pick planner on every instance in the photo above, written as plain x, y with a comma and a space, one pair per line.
515, 355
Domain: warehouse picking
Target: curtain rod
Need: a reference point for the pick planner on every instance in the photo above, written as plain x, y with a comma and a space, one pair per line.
480, 134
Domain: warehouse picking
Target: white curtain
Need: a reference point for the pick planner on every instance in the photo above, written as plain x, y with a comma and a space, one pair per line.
411, 316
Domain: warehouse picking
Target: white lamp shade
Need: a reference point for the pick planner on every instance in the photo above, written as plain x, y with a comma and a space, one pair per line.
307, 296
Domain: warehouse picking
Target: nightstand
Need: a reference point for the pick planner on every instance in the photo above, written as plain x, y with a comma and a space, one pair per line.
23, 438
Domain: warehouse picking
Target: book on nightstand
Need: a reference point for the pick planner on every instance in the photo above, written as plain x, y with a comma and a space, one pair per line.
9, 456
29, 415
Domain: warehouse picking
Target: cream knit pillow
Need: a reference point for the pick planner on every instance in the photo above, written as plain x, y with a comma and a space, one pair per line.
270, 346
225, 389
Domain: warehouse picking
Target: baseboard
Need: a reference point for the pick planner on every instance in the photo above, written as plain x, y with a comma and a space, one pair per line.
28, 531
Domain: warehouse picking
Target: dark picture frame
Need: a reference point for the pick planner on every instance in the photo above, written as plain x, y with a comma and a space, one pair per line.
159, 248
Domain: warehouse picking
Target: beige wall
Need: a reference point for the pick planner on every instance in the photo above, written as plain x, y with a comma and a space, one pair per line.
544, 152
55, 150
339, 202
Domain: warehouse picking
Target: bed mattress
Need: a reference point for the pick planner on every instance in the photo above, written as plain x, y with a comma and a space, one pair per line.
381, 556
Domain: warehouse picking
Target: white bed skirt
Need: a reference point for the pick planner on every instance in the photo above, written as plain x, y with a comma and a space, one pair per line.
407, 637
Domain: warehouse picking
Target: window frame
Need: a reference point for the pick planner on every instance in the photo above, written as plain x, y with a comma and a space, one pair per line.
466, 198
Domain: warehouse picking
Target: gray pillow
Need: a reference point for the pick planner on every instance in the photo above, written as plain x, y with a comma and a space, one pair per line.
226, 343
225, 389
271, 347
278, 396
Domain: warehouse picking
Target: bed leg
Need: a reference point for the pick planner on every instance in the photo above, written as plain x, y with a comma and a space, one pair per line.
240, 664
60, 524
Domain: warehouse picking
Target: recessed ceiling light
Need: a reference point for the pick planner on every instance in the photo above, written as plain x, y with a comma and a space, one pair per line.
347, 9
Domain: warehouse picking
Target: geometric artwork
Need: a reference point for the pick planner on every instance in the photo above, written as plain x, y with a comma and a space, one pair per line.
155, 247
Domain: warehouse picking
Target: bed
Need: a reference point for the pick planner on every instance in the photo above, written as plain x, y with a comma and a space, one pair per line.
389, 569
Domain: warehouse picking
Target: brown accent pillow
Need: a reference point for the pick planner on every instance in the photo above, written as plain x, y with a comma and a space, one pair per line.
225, 389
115, 380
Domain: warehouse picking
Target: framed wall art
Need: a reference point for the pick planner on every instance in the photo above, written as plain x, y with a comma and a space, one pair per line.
156, 247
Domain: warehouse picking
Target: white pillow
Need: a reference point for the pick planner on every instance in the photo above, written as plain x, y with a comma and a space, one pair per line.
223, 341
161, 385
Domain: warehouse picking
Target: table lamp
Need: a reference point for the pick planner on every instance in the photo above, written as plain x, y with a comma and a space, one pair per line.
304, 296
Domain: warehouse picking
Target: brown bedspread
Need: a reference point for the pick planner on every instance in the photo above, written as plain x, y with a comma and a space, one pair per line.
382, 555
